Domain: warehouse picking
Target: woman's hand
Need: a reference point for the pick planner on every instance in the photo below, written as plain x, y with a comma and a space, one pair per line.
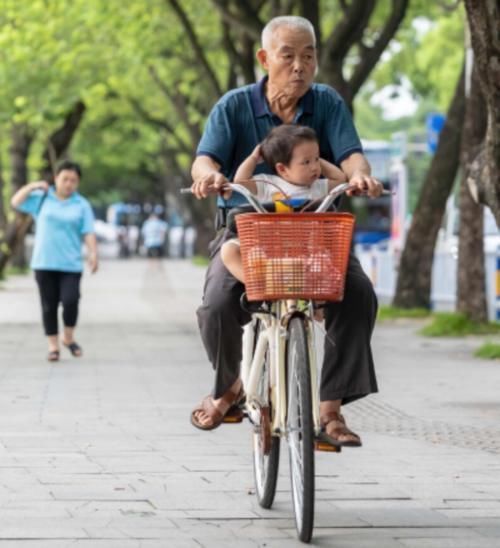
93, 262
39, 185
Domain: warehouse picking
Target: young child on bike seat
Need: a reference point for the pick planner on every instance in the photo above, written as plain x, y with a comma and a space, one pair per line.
293, 152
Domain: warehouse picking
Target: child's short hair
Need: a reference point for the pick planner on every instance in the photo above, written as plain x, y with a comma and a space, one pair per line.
279, 143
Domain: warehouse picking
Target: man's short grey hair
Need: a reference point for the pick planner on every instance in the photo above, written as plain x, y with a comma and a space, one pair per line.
290, 21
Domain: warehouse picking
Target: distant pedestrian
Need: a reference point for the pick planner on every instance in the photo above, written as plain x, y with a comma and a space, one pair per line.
64, 219
154, 231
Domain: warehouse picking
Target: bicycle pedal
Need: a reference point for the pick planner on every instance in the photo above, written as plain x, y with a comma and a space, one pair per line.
233, 418
320, 445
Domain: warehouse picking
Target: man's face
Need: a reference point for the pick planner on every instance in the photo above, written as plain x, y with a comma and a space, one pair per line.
290, 61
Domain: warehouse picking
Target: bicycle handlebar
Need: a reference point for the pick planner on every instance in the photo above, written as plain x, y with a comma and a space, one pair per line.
252, 199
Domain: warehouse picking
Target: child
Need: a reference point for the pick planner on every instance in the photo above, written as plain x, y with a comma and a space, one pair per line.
293, 152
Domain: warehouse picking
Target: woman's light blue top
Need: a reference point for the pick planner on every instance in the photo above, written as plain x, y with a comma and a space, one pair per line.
60, 227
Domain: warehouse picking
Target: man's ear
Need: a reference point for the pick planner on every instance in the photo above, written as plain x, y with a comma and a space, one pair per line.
262, 58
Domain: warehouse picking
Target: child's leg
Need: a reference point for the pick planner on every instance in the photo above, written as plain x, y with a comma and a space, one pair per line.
231, 257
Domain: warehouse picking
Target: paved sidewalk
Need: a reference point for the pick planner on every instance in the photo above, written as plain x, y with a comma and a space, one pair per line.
98, 452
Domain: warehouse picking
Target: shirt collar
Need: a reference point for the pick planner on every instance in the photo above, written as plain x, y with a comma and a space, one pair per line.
72, 198
261, 108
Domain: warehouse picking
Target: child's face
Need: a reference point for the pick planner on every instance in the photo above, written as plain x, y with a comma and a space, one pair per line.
304, 167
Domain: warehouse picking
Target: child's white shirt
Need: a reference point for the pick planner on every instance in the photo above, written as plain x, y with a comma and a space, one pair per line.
280, 189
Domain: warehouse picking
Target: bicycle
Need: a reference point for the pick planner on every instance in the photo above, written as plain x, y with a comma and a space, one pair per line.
289, 260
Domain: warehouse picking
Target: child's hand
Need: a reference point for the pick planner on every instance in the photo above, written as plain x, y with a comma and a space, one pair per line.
226, 192
256, 155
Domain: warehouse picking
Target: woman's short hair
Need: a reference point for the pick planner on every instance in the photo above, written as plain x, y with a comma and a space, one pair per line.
69, 165
290, 21
280, 142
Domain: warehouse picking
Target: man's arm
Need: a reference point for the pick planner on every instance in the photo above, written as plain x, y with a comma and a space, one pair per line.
358, 172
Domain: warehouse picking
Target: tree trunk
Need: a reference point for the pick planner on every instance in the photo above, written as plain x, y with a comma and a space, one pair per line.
484, 22
3, 211
471, 285
60, 140
14, 233
414, 280
22, 138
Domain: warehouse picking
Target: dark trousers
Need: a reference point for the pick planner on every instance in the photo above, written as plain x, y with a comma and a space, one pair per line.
348, 371
58, 287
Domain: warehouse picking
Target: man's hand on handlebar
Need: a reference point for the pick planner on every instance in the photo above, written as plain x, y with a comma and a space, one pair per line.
212, 183
365, 185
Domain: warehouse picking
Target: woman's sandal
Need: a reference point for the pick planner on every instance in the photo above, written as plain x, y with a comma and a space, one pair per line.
53, 356
234, 414
74, 348
332, 437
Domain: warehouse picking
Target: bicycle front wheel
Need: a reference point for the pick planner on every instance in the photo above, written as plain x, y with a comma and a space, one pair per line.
266, 448
300, 429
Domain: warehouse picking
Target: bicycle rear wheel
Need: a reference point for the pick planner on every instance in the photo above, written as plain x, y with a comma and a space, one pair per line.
300, 428
266, 448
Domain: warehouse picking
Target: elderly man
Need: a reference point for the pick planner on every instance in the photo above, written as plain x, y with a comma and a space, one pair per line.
237, 123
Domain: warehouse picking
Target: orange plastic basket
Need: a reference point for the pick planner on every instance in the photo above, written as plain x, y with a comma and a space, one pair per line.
295, 255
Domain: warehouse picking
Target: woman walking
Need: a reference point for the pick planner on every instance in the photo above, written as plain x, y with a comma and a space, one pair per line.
64, 219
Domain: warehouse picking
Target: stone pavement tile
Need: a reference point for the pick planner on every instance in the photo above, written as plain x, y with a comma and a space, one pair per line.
106, 542
229, 514
104, 491
40, 528
448, 543
493, 531
108, 509
469, 513
33, 509
135, 462
52, 543
400, 517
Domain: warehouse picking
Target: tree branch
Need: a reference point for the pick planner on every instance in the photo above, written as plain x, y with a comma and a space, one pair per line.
347, 32
371, 55
199, 52
59, 141
246, 18
160, 123
310, 10
180, 103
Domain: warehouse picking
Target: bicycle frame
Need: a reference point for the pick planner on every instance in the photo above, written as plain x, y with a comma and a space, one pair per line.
273, 339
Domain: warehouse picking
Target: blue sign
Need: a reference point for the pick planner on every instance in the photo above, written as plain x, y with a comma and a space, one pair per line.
434, 124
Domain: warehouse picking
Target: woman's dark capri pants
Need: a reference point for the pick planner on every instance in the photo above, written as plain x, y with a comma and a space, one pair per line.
348, 372
57, 287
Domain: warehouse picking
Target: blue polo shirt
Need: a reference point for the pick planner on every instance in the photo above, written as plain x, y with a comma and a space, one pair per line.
60, 227
242, 118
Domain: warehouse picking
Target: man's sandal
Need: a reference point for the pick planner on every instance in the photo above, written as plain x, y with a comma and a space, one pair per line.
234, 414
53, 356
74, 348
332, 436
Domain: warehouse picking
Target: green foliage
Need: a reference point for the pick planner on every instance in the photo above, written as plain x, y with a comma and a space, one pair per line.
489, 351
199, 260
17, 271
393, 313
430, 59
451, 324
